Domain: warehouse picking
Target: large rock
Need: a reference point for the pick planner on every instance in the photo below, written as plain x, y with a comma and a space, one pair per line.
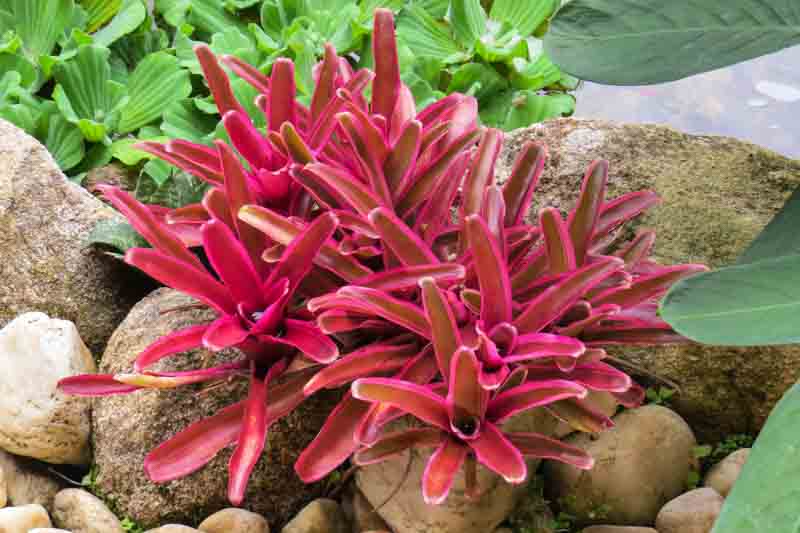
36, 419
718, 194
45, 261
127, 427
640, 464
394, 488
233, 520
27, 481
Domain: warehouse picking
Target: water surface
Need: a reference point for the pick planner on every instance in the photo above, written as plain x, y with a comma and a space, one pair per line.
756, 101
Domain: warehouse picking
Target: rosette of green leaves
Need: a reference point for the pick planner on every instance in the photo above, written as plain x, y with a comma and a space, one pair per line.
497, 57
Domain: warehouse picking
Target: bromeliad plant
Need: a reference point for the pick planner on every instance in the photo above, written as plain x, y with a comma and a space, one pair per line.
381, 227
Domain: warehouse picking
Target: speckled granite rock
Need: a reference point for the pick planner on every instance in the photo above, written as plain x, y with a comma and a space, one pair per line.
127, 427
718, 194
44, 224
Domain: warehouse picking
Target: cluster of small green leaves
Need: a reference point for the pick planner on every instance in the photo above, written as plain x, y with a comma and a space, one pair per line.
707, 455
491, 50
659, 395
91, 78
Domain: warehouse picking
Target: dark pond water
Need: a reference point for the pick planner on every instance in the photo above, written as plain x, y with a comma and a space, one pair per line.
757, 101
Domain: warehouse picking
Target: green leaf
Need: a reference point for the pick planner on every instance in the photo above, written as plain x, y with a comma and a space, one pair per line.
528, 107
469, 21
18, 63
117, 235
86, 95
123, 149
620, 42
209, 16
744, 305
99, 12
134, 47
428, 37
163, 185
97, 156
130, 16
64, 141
156, 83
534, 74
39, 23
182, 120
780, 237
477, 79
436, 8
525, 16
502, 43
764, 497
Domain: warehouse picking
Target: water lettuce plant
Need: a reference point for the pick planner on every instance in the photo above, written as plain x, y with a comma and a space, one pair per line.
358, 243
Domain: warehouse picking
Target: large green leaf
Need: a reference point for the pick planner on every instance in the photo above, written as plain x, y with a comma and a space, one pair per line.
468, 19
117, 235
64, 141
156, 83
428, 37
744, 305
764, 498
86, 95
209, 16
529, 107
526, 15
627, 42
39, 23
182, 120
780, 237
755, 302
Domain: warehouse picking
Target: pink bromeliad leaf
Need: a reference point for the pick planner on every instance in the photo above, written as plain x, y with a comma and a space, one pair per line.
441, 470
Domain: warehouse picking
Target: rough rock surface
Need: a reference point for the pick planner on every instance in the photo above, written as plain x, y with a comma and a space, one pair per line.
692, 512
48, 530
36, 419
23, 518
44, 224
320, 516
80, 512
640, 464
234, 520
360, 513
718, 194
127, 427
406, 512
27, 481
725, 473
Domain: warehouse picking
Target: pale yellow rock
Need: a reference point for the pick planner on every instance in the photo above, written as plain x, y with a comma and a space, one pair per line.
725, 473
23, 518
618, 529
173, 528
36, 418
692, 512
234, 520
81, 512
320, 516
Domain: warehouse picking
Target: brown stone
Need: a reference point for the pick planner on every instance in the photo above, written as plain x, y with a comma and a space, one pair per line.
718, 194
127, 427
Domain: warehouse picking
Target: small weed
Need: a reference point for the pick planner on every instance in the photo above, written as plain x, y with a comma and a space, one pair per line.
659, 395
130, 526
